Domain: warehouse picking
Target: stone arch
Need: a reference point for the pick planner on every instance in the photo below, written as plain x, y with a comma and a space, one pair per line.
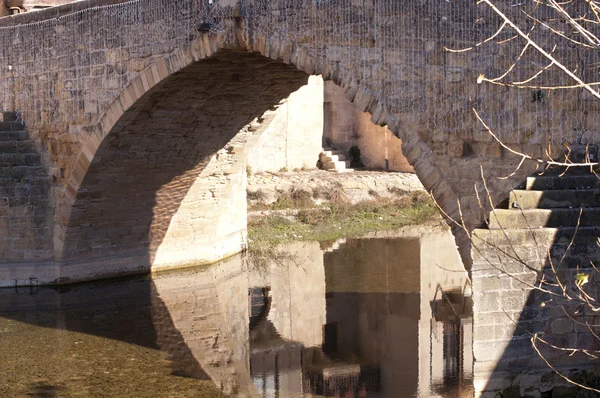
91, 218
124, 109
96, 133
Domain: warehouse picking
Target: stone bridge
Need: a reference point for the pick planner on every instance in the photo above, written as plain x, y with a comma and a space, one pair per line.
128, 153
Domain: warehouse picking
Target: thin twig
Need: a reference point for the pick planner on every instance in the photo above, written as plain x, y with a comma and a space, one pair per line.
540, 49
533, 339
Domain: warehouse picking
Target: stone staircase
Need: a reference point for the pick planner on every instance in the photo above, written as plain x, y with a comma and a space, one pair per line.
16, 149
552, 214
25, 204
548, 231
332, 246
334, 160
22, 175
552, 201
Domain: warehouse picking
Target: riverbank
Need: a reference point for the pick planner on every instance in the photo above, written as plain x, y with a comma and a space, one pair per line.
321, 185
322, 206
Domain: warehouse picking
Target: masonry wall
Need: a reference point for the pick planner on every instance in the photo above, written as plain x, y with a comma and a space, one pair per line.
430, 107
346, 126
509, 310
340, 117
291, 135
180, 196
301, 125
379, 147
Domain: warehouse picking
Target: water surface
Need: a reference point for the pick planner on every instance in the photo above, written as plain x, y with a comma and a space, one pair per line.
388, 316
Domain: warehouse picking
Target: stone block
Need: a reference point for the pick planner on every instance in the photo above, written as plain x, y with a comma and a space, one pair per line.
456, 148
512, 300
488, 351
488, 302
561, 326
488, 283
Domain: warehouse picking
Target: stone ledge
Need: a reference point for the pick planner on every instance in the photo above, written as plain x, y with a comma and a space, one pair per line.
117, 265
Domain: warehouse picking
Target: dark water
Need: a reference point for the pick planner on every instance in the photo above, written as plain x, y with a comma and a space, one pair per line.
381, 317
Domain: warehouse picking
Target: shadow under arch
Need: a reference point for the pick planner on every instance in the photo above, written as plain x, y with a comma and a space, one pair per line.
145, 164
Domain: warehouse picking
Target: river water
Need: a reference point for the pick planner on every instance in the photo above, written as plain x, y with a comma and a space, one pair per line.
385, 316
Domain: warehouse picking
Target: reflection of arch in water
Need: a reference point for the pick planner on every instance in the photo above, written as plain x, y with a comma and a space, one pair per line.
340, 380
380, 294
198, 319
209, 308
119, 313
375, 285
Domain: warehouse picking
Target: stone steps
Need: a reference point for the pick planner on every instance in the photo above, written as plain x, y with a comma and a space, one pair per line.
11, 126
556, 198
20, 159
29, 181
520, 235
331, 151
554, 182
539, 218
8, 117
333, 158
333, 246
21, 146
22, 172
13, 135
335, 161
553, 214
337, 166
530, 244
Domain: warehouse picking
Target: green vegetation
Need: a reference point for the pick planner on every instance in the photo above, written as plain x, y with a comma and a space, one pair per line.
339, 219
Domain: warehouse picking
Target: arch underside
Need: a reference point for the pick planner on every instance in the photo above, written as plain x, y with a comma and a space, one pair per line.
155, 183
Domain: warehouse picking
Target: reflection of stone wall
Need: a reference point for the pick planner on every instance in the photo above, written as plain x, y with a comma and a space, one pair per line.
441, 267
283, 364
297, 294
380, 294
